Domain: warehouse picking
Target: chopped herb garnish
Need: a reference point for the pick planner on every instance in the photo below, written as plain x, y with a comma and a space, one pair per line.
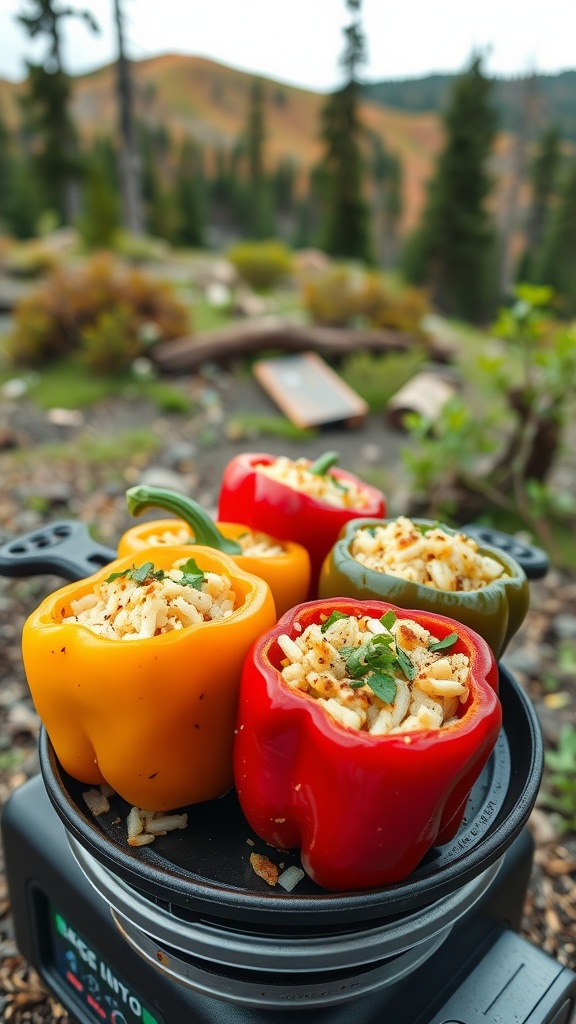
406, 665
192, 575
388, 619
331, 619
338, 483
145, 572
384, 686
373, 664
442, 645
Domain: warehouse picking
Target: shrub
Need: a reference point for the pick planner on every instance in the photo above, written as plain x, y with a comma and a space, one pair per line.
332, 298
377, 377
107, 312
340, 296
261, 264
29, 260
398, 308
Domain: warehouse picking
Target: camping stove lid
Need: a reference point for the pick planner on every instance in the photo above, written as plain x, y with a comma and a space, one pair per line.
205, 869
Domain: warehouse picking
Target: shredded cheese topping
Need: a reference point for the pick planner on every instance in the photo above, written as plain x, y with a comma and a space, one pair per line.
124, 608
317, 663
324, 487
433, 557
255, 545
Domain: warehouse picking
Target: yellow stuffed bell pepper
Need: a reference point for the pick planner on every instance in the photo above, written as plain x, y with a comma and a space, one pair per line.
135, 672
284, 564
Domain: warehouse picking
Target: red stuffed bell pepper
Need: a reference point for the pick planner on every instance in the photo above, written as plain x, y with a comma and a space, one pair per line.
361, 731
297, 500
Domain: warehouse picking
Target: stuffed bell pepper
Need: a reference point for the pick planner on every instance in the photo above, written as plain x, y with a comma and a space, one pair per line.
421, 564
135, 672
299, 500
284, 565
361, 731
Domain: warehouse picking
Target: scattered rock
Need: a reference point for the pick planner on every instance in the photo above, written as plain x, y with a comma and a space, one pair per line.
564, 626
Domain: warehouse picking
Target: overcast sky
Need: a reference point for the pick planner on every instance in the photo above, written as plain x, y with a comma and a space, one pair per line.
300, 41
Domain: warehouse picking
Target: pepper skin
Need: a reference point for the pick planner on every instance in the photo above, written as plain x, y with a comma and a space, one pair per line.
287, 574
266, 504
496, 611
363, 809
153, 718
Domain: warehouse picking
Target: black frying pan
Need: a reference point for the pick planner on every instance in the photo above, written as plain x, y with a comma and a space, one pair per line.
205, 870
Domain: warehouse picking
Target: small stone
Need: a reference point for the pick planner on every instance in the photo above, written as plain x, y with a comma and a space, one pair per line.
371, 453
525, 660
180, 456
161, 476
65, 417
16, 387
564, 626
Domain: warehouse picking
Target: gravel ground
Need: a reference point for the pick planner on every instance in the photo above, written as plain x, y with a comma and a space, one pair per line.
191, 453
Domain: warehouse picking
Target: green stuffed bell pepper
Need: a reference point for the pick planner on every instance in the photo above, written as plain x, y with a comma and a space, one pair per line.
421, 564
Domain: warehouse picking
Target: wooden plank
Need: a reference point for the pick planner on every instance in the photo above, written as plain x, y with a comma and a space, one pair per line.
309, 392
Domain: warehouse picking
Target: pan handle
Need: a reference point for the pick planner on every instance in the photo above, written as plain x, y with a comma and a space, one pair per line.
64, 548
533, 560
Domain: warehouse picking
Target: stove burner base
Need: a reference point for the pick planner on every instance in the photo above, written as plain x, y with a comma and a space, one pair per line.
482, 973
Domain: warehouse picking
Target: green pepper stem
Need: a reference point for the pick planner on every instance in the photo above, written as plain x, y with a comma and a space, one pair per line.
205, 531
323, 463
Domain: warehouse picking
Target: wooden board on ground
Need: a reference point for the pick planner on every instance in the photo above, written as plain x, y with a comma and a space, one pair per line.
309, 392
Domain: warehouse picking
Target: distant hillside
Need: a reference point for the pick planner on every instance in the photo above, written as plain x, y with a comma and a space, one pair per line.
552, 99
207, 101
192, 96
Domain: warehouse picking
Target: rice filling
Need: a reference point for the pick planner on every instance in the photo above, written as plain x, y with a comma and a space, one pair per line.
295, 473
411, 680
431, 557
138, 605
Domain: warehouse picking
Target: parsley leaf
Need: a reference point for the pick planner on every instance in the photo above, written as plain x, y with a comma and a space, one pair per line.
332, 619
145, 572
383, 685
442, 645
375, 663
142, 574
388, 619
406, 665
193, 575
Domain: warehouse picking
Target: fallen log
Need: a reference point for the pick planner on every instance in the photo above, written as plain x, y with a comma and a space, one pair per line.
273, 333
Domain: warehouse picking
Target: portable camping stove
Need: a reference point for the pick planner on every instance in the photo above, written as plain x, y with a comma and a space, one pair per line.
184, 931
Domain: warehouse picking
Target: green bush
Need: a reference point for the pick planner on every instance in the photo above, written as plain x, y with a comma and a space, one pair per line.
108, 313
340, 296
29, 260
377, 377
261, 264
332, 298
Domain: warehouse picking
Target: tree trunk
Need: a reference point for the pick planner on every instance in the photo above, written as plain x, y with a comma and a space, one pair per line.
130, 176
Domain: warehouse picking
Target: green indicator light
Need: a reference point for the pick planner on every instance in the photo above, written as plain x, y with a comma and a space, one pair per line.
147, 1018
60, 925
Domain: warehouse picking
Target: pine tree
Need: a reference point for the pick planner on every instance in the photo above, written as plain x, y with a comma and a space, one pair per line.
258, 208
345, 229
6, 163
388, 201
20, 207
101, 210
453, 250
47, 104
543, 181
558, 265
130, 176
189, 196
